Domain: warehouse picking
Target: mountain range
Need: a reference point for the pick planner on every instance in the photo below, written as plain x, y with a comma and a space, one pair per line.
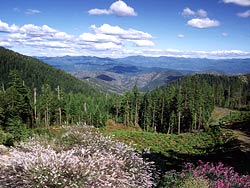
121, 74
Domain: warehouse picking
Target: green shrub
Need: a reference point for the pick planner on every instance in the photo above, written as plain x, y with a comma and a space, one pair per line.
204, 175
6, 138
171, 179
195, 182
17, 128
2, 136
10, 140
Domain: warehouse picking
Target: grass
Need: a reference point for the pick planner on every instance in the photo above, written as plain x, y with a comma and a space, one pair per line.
186, 143
220, 144
236, 117
170, 151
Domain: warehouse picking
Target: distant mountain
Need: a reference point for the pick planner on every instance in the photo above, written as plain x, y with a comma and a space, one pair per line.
228, 66
146, 72
122, 82
105, 77
140, 64
124, 69
35, 73
74, 63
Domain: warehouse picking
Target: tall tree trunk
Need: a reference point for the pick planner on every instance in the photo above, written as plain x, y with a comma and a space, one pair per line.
199, 124
136, 114
153, 123
195, 121
127, 114
35, 112
179, 122
162, 110
59, 108
240, 97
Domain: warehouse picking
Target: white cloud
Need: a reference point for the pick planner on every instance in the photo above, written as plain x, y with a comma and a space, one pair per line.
34, 36
141, 43
180, 36
238, 2
4, 27
102, 41
48, 44
121, 33
97, 11
203, 23
31, 38
6, 44
99, 37
202, 13
200, 19
34, 30
119, 8
188, 12
117, 35
106, 46
62, 36
32, 11
245, 14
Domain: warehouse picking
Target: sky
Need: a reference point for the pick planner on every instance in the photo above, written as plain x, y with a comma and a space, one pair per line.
118, 28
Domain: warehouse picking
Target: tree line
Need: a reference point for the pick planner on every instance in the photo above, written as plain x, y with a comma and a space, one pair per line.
45, 106
184, 105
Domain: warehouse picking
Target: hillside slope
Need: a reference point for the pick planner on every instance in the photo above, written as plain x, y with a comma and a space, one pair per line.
118, 83
35, 73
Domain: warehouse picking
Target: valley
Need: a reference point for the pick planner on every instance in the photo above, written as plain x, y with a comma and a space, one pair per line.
122, 74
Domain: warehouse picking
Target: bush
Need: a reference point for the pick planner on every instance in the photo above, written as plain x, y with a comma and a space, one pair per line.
6, 138
2, 136
82, 157
219, 176
17, 128
205, 175
195, 182
171, 179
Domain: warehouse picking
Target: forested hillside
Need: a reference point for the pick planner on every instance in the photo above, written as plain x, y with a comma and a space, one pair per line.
35, 73
184, 105
37, 95
22, 107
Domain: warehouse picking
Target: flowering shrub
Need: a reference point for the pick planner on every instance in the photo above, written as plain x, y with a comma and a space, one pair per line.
218, 175
82, 157
205, 175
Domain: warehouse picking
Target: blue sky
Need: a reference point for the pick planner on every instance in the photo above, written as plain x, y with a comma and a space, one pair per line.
116, 28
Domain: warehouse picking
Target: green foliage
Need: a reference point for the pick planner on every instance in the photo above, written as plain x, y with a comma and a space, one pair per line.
6, 138
184, 105
236, 117
195, 182
171, 179
187, 143
18, 130
2, 136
